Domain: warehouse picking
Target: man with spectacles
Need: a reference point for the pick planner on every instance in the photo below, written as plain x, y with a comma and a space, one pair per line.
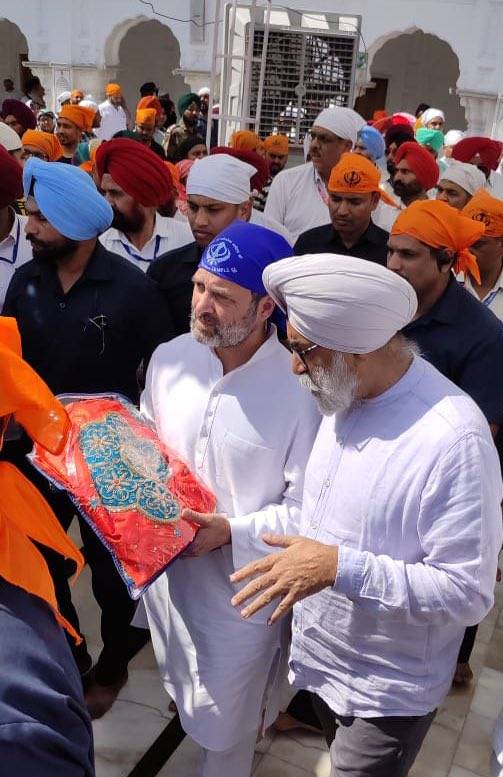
223, 397
87, 320
298, 196
398, 549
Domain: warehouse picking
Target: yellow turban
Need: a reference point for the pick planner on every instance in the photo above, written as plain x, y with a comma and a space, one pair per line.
82, 117
146, 116
245, 140
45, 142
276, 144
113, 90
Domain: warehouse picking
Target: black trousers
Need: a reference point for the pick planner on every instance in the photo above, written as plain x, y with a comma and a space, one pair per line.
121, 641
467, 644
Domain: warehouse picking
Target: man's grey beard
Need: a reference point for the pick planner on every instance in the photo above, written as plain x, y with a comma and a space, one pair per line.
334, 387
226, 335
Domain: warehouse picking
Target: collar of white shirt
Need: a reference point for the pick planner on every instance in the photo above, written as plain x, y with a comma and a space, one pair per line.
465, 279
10, 238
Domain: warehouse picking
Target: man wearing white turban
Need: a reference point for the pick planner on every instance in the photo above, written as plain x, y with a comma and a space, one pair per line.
298, 196
398, 551
433, 118
458, 183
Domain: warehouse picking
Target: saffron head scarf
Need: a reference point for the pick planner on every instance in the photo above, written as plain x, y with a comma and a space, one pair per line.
136, 169
151, 102
438, 225
241, 252
113, 90
45, 142
80, 116
277, 144
244, 140
25, 517
421, 163
146, 116
68, 199
341, 302
486, 210
354, 174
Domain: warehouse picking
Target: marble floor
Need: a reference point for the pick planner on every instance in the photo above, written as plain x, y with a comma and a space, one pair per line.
458, 744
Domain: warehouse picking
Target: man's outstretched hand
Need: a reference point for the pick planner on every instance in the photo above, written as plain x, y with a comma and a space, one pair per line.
303, 568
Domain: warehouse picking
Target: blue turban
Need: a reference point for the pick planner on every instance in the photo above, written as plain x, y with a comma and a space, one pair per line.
241, 253
373, 142
67, 198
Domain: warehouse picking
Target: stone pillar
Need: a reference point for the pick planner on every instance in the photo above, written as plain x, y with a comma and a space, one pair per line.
58, 78
479, 109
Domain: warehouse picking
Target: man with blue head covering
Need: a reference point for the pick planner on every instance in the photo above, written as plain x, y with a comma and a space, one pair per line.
87, 320
222, 397
370, 143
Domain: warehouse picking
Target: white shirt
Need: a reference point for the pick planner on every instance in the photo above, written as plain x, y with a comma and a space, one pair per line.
15, 250
298, 199
113, 119
257, 217
408, 485
247, 435
493, 299
385, 215
168, 233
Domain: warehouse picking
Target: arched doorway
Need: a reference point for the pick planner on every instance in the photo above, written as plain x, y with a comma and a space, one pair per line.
13, 51
411, 68
149, 52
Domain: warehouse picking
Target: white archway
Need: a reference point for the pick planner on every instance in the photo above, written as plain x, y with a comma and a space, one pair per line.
419, 67
142, 49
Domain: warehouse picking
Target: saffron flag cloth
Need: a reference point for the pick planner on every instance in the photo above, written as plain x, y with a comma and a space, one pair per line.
129, 488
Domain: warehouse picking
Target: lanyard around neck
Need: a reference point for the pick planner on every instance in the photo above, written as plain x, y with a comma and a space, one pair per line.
139, 257
13, 258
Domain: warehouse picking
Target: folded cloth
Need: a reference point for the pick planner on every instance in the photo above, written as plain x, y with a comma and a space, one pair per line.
129, 488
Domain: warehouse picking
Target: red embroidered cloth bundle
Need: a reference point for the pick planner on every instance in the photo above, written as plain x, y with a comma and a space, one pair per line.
127, 485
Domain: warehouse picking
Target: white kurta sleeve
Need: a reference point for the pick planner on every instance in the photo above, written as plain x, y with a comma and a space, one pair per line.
282, 518
460, 530
275, 206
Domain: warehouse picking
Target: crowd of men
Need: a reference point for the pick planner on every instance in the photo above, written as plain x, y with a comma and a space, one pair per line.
357, 478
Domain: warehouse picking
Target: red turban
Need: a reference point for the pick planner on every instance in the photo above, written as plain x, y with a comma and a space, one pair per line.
23, 115
261, 177
11, 178
136, 169
488, 150
421, 162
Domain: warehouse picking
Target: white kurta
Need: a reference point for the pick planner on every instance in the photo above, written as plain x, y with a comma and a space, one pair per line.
113, 119
247, 435
298, 199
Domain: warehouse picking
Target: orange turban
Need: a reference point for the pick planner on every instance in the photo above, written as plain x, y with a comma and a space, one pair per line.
82, 117
355, 174
244, 140
46, 142
487, 210
113, 90
146, 116
277, 144
77, 93
151, 102
440, 226
25, 517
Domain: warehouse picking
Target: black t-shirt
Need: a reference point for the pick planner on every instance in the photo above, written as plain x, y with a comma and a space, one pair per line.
372, 245
94, 337
173, 273
463, 339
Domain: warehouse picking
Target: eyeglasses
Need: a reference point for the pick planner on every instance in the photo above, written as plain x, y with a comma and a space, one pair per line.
301, 354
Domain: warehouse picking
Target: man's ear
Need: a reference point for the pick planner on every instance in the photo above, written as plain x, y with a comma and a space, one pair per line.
245, 210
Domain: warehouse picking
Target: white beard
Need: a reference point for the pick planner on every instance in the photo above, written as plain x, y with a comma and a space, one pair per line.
334, 388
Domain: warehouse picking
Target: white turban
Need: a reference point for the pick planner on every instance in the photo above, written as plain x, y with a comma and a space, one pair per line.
452, 137
343, 122
203, 92
430, 114
341, 302
88, 103
221, 177
9, 138
469, 177
64, 97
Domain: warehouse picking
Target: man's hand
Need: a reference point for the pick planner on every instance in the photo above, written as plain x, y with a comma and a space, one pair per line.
215, 531
303, 568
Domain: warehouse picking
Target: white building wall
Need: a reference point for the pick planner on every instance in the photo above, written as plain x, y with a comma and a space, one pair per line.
86, 35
